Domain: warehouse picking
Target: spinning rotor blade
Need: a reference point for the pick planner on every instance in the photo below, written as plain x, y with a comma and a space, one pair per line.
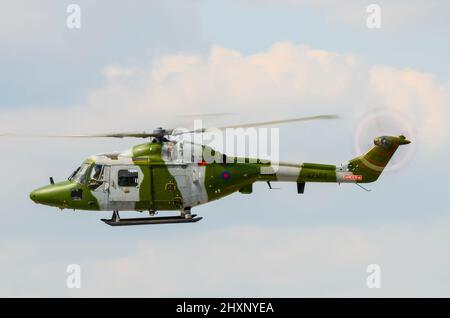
382, 122
160, 132
264, 123
203, 115
112, 135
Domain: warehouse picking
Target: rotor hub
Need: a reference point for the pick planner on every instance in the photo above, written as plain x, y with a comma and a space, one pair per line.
160, 131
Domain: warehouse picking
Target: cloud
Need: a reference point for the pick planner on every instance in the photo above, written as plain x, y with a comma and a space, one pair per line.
242, 261
278, 262
284, 81
394, 14
29, 13
417, 95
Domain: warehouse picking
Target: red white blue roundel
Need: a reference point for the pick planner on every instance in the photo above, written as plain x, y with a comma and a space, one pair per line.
226, 175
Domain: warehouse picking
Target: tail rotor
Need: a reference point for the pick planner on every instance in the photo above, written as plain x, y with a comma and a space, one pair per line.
382, 122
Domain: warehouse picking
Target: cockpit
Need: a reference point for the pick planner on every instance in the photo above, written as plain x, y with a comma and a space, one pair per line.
94, 175
79, 175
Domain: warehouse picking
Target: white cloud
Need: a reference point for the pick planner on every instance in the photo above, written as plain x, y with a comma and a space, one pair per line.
286, 80
277, 262
22, 15
28, 24
417, 95
243, 262
394, 13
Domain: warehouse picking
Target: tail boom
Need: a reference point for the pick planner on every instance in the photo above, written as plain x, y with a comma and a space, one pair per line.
363, 169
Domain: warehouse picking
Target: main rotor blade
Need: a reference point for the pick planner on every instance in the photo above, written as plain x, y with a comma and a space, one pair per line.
263, 123
171, 132
111, 135
203, 115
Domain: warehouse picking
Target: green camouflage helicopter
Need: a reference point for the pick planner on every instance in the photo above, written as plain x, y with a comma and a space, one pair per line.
158, 176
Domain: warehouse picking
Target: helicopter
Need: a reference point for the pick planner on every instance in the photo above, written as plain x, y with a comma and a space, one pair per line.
162, 175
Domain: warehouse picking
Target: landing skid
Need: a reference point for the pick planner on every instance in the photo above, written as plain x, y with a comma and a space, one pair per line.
117, 221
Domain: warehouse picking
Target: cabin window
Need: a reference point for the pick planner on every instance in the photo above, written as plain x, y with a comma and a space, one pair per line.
128, 178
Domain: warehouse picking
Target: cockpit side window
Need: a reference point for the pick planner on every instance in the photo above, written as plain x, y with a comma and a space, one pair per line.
96, 178
97, 173
74, 173
80, 174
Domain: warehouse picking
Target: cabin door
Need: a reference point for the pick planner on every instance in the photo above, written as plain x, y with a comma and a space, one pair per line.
125, 181
169, 187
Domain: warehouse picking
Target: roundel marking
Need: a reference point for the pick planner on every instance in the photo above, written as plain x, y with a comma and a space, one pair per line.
226, 175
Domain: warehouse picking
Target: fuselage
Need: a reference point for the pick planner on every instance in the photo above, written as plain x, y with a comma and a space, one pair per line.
150, 176
178, 175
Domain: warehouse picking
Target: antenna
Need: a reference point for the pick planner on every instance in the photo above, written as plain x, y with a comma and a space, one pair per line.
367, 190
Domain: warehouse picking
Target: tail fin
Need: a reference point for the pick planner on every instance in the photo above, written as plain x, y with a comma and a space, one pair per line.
370, 165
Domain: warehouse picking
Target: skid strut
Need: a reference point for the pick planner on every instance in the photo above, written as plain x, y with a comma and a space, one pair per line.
117, 221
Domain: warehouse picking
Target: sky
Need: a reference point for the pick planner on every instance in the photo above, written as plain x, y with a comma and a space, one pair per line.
138, 65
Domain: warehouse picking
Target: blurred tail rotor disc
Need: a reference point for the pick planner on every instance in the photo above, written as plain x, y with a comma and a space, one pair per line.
385, 122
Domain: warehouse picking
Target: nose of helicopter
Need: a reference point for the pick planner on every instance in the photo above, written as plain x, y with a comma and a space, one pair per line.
33, 195
48, 195
42, 195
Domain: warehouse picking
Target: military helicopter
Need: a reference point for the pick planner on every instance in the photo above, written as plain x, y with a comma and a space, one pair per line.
158, 176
